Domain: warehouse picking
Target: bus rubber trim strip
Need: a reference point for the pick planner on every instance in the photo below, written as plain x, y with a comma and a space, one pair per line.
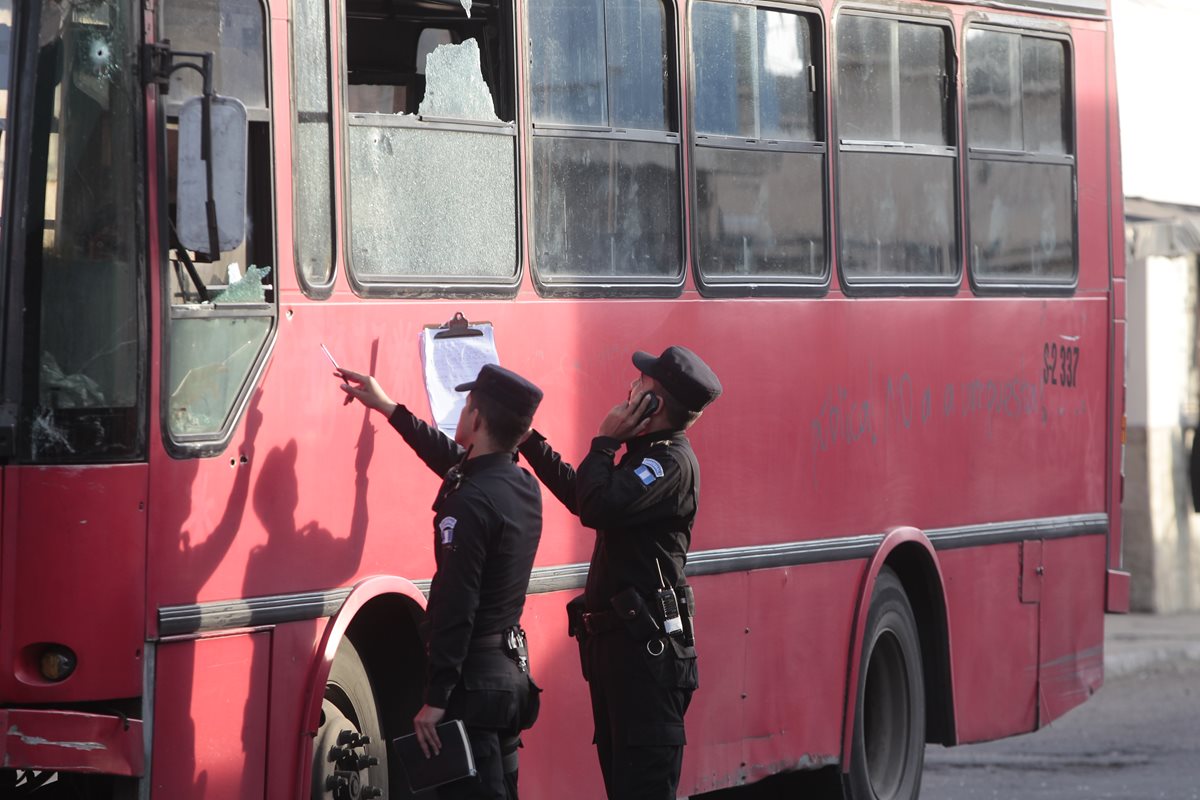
277, 609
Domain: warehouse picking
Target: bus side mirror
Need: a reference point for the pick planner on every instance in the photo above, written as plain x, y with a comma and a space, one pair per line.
210, 208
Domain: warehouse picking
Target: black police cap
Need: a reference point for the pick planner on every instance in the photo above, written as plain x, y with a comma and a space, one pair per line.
682, 373
506, 387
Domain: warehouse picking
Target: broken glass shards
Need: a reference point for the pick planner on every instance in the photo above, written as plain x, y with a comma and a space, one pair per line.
47, 436
249, 289
454, 84
60, 390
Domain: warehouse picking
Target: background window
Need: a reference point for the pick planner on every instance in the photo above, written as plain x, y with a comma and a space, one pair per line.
431, 142
759, 146
1021, 165
605, 152
312, 161
897, 151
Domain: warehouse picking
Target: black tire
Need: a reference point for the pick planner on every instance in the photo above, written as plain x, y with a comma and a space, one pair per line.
888, 749
349, 705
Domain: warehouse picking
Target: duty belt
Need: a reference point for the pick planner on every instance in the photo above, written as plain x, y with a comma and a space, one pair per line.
511, 642
598, 622
490, 641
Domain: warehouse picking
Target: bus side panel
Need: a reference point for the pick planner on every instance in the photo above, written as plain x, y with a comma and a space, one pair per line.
797, 638
210, 720
1092, 158
292, 652
994, 647
74, 554
716, 716
1072, 632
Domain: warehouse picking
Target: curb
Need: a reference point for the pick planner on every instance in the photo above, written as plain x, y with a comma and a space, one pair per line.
1119, 665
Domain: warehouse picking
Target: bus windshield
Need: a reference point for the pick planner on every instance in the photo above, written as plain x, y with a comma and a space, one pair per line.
82, 313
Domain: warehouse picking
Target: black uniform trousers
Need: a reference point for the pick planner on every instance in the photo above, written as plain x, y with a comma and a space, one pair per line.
638, 703
495, 700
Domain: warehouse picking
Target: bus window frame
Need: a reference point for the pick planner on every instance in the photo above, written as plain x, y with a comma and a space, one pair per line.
205, 445
316, 291
425, 286
900, 286
615, 286
1042, 29
774, 285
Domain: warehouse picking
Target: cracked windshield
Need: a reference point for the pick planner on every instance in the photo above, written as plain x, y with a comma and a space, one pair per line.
81, 260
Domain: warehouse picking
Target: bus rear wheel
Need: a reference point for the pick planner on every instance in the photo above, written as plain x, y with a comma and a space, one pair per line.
888, 748
350, 753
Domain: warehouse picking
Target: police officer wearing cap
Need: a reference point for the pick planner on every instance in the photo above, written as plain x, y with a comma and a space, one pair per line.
634, 621
487, 523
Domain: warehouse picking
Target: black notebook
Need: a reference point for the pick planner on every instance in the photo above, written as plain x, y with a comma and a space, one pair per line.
454, 761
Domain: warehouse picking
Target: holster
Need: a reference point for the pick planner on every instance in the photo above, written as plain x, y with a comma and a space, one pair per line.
575, 626
636, 615
687, 613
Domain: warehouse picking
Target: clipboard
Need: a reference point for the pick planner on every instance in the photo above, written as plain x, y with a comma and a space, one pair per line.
457, 326
452, 354
453, 762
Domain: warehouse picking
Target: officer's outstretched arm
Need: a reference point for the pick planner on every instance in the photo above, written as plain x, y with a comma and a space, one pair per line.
557, 475
436, 449
609, 496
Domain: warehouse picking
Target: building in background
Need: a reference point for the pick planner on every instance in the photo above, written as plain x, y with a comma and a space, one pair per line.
1157, 72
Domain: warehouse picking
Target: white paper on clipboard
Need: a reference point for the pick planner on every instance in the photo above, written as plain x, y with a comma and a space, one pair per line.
450, 361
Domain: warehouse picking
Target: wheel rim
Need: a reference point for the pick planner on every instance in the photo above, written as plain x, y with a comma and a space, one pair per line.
887, 716
339, 754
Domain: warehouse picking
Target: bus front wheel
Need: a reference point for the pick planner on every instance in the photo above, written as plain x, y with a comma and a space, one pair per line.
349, 754
887, 752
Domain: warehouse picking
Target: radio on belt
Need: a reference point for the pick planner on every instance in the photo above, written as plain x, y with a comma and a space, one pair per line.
668, 605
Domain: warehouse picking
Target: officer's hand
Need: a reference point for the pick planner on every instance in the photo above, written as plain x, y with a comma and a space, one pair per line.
366, 390
625, 420
425, 724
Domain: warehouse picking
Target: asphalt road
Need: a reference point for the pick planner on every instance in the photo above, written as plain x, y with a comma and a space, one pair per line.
1138, 738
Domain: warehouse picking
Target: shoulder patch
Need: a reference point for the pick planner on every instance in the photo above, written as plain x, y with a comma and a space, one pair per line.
649, 471
446, 528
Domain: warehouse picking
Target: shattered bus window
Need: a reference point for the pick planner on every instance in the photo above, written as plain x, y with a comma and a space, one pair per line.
454, 84
431, 140
223, 305
84, 306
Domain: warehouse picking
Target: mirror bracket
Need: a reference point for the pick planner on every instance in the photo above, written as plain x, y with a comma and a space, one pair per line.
158, 65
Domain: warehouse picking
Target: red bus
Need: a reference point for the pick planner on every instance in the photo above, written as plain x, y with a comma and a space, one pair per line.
893, 229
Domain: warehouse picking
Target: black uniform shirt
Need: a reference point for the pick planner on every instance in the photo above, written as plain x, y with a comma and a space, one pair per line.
642, 507
486, 531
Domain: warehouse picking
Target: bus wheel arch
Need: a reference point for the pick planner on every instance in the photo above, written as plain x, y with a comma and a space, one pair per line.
901, 631
370, 655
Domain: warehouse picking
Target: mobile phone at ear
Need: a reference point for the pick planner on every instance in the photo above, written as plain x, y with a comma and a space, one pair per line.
655, 402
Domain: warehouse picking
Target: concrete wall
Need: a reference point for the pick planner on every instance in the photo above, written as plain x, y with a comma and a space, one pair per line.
1162, 533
